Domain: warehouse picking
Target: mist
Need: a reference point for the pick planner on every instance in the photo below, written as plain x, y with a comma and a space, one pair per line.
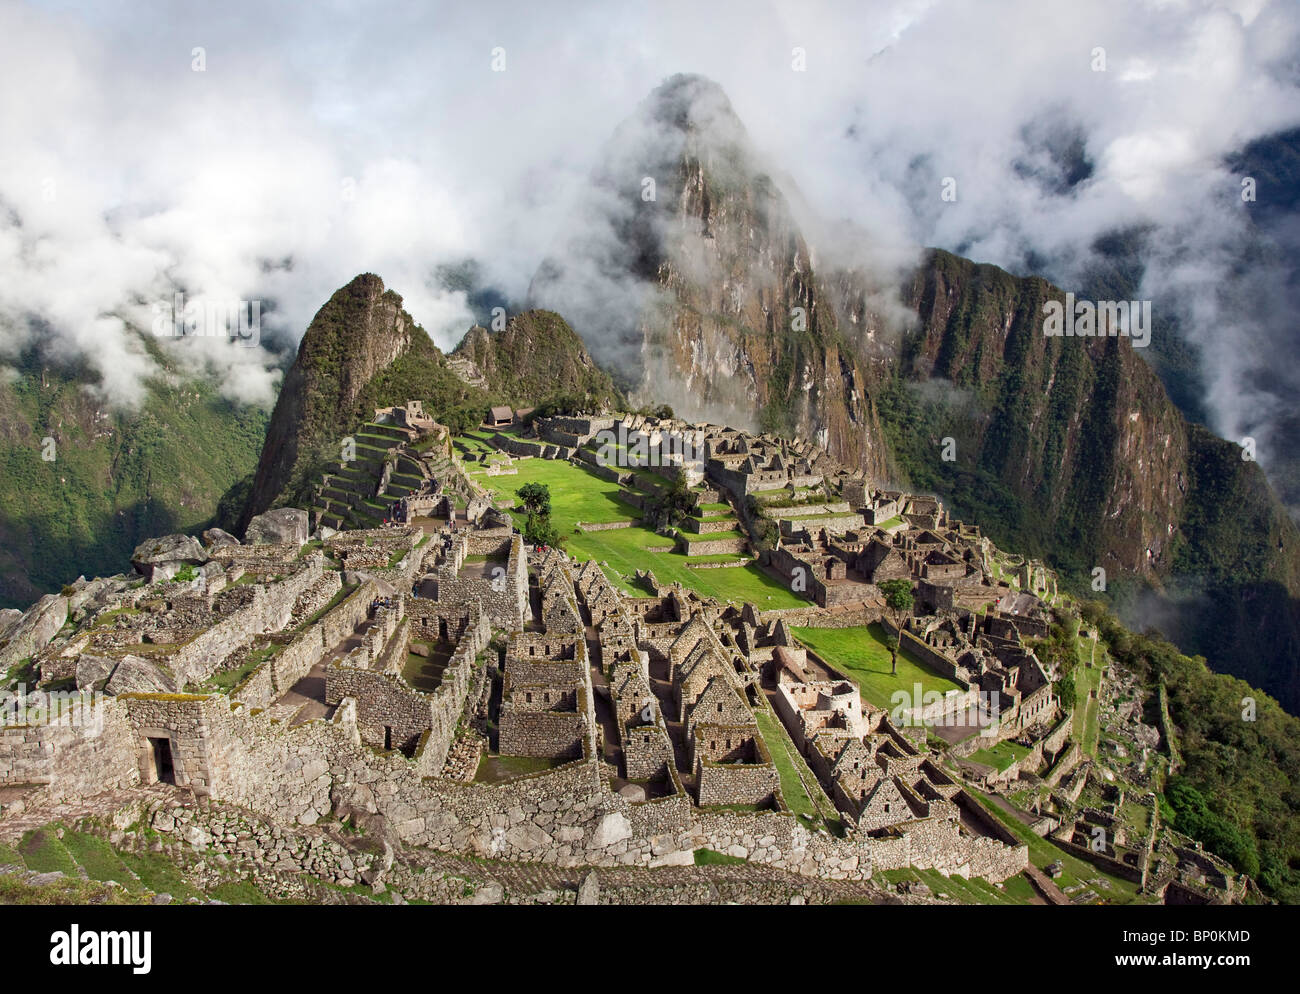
265, 155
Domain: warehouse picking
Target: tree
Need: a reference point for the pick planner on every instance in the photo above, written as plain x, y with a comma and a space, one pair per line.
898, 601
538, 530
536, 498
672, 504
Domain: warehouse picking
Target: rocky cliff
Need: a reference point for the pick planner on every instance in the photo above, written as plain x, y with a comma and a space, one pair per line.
1069, 448
706, 291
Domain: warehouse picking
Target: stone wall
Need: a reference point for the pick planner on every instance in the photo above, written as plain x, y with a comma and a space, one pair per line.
567, 816
82, 752
504, 598
647, 751
554, 734
736, 783
270, 610
712, 547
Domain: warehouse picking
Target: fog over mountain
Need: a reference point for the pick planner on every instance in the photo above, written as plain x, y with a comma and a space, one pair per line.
334, 140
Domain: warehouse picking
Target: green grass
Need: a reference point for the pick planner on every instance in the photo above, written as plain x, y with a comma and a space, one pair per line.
43, 852
1042, 853
159, 875
803, 794
1014, 890
578, 495
240, 892
1001, 755
710, 857
99, 859
228, 680
861, 655
693, 537
1086, 726
500, 769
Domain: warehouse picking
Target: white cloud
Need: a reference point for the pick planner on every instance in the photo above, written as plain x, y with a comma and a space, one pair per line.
321, 142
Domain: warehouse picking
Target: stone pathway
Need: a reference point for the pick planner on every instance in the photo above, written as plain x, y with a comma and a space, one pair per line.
105, 805
1046, 886
525, 879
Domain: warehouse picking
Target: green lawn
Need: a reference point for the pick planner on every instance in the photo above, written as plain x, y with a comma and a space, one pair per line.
803, 794
501, 769
1042, 853
861, 654
1086, 727
577, 495
1001, 755
692, 537
711, 857
1014, 890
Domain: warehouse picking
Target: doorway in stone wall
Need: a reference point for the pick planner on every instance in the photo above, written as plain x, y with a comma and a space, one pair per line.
164, 769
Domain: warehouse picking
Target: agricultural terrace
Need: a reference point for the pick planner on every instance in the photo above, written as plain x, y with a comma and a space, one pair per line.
580, 496
862, 655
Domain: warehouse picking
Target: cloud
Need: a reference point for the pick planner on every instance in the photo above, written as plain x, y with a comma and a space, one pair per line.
320, 142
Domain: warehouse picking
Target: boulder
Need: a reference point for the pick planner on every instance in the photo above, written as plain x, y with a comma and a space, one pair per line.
93, 670
215, 538
33, 630
490, 893
161, 558
613, 829
8, 618
589, 890
283, 526
136, 675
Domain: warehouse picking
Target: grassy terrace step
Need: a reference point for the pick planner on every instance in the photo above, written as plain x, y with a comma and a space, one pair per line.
721, 557
43, 852
377, 441
579, 495
862, 655
728, 520
99, 860
693, 537
354, 473
356, 481
706, 511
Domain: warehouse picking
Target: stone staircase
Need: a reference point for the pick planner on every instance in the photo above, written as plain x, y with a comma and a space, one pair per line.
353, 495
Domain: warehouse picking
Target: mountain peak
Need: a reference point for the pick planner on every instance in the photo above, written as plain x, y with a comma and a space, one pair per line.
690, 102
360, 330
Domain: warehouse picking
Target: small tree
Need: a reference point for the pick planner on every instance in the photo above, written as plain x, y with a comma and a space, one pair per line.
536, 498
898, 602
538, 530
672, 504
